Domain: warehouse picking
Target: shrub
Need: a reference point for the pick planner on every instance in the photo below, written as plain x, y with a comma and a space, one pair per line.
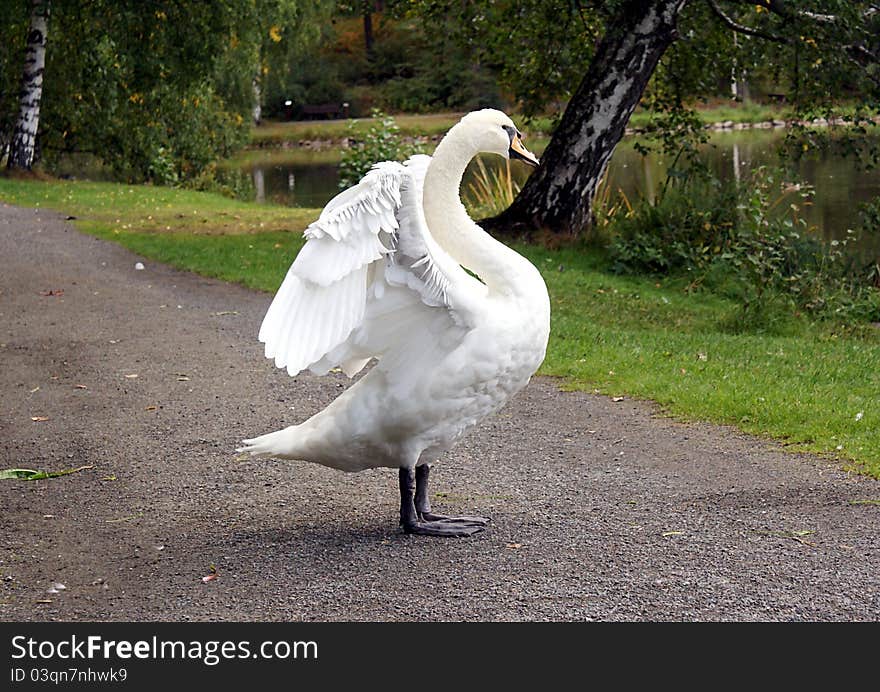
234, 183
682, 230
382, 142
750, 242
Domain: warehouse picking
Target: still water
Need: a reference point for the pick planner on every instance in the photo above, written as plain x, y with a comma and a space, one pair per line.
310, 179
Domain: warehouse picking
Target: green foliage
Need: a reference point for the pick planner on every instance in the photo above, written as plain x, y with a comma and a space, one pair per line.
381, 142
749, 242
538, 50
156, 90
682, 231
229, 181
412, 68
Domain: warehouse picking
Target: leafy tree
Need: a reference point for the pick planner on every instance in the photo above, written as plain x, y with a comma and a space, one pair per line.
155, 90
602, 55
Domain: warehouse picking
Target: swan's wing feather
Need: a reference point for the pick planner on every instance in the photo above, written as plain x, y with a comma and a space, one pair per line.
323, 295
368, 279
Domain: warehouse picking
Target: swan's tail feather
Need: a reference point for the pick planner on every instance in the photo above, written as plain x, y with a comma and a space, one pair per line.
273, 444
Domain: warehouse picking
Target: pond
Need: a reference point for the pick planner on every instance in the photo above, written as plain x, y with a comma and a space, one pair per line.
306, 178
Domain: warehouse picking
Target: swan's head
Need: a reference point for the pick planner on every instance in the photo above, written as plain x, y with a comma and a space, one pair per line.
493, 132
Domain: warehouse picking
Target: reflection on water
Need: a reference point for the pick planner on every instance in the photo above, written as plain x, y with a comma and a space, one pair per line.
295, 184
839, 186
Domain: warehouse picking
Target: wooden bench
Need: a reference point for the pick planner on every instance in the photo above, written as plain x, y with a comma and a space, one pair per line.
327, 110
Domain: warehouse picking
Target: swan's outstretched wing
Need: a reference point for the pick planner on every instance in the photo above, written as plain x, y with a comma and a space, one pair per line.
368, 274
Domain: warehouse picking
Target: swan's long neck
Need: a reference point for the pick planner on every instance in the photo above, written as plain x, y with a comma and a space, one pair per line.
499, 267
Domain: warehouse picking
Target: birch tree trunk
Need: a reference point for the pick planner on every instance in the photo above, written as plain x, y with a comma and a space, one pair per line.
558, 196
257, 111
21, 151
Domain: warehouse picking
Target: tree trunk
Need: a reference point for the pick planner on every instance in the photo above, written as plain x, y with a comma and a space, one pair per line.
368, 29
558, 196
257, 111
21, 151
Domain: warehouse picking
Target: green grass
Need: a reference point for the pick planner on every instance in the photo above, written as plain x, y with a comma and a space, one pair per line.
629, 336
272, 133
283, 156
112, 208
750, 112
275, 133
611, 334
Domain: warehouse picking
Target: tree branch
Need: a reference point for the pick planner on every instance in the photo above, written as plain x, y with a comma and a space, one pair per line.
782, 8
742, 29
861, 56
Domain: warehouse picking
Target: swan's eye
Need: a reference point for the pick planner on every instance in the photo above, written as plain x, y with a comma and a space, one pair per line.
511, 132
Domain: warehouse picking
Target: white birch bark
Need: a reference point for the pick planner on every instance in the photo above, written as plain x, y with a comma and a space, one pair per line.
558, 195
21, 151
258, 98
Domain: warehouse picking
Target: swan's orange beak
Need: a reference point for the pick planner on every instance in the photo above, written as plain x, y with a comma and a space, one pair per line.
518, 151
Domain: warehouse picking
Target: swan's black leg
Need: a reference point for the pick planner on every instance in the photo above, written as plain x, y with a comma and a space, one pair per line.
424, 523
423, 503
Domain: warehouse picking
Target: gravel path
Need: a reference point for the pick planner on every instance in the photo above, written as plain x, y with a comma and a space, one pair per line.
601, 510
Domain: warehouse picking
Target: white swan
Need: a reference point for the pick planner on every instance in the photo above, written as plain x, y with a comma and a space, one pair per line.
381, 276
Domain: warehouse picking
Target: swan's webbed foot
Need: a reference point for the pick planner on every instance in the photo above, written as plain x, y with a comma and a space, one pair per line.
444, 519
441, 528
415, 509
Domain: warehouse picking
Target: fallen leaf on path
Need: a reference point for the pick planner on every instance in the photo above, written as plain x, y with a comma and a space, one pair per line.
131, 376
151, 408
864, 502
57, 587
39, 419
513, 546
617, 399
212, 576
32, 475
35, 389
7, 474
55, 292
79, 386
44, 600
183, 378
224, 312
672, 533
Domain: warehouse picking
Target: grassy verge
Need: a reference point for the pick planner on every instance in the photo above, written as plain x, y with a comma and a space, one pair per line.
275, 133
278, 133
815, 389
215, 236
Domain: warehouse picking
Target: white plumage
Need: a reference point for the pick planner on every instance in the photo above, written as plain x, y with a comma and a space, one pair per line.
381, 276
